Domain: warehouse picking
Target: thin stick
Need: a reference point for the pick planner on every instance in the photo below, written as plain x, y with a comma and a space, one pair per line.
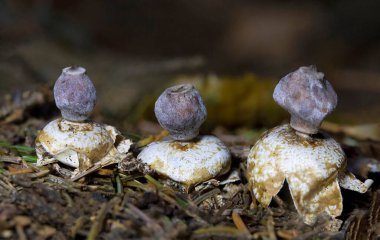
97, 225
88, 171
119, 185
149, 222
239, 223
11, 159
205, 196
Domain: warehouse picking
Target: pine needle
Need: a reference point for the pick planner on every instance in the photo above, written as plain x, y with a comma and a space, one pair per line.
239, 223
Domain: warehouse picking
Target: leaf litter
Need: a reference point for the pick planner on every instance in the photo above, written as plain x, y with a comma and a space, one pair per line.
40, 203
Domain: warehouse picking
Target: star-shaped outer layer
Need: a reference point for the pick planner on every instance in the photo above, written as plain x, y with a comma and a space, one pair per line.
313, 167
188, 162
80, 144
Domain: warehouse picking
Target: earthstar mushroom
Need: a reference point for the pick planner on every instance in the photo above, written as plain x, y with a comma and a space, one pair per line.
74, 140
312, 162
184, 156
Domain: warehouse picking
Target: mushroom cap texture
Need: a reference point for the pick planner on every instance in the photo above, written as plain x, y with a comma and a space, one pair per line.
189, 162
181, 111
74, 94
64, 140
307, 96
310, 166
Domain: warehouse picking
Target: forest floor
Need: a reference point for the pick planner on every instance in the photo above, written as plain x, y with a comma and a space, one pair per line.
39, 203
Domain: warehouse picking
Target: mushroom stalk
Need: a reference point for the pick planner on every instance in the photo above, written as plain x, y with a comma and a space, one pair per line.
303, 127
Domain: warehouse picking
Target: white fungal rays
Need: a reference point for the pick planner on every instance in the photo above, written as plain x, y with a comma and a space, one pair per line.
313, 163
185, 157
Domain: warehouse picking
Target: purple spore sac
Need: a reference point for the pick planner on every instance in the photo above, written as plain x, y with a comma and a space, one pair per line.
181, 111
75, 94
307, 96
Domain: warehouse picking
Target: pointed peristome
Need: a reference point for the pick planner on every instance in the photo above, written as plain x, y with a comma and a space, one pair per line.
181, 111
307, 96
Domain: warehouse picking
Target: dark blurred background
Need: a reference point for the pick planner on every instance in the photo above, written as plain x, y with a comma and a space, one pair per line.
132, 49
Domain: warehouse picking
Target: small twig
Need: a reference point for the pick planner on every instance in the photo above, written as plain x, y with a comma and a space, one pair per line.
61, 171
39, 174
29, 165
85, 173
311, 233
97, 225
7, 184
149, 222
139, 185
68, 199
270, 225
67, 185
223, 208
105, 188
21, 233
279, 202
21, 222
188, 209
205, 196
77, 225
239, 223
4, 185
20, 171
119, 185
217, 231
11, 159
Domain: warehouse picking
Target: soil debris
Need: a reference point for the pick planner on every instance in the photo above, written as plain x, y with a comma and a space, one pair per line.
130, 201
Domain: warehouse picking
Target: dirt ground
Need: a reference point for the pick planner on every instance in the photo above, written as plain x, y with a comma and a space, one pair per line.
40, 203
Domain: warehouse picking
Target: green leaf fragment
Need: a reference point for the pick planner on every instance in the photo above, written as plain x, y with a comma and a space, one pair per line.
18, 148
32, 159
